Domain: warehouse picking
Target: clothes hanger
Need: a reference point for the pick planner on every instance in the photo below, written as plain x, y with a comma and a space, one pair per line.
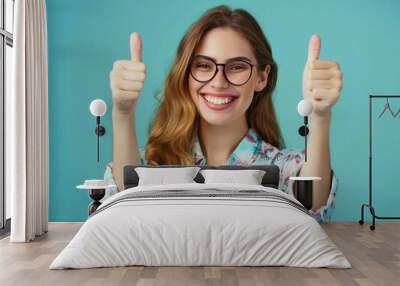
387, 106
397, 112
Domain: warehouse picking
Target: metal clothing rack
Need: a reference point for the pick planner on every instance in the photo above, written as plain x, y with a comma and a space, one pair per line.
369, 205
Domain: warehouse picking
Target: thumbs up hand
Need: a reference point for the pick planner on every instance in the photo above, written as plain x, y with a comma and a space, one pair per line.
127, 78
322, 79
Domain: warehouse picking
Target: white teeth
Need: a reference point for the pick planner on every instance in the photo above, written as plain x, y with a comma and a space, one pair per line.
218, 100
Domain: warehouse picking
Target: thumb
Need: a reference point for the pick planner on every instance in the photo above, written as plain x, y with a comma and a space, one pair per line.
314, 47
136, 47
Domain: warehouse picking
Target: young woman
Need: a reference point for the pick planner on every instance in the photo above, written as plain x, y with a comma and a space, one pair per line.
217, 107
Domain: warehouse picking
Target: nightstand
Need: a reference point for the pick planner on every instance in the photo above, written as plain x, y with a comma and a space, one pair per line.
97, 190
303, 192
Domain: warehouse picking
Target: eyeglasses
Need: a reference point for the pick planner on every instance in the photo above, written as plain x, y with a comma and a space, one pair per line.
237, 72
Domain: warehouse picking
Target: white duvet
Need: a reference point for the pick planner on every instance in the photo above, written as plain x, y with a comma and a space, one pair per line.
190, 230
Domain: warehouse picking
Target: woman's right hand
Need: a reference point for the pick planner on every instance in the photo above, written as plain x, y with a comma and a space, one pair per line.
127, 79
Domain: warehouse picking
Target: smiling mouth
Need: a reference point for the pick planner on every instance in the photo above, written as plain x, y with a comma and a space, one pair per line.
218, 100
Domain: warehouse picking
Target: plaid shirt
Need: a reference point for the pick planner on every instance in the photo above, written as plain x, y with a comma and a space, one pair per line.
252, 150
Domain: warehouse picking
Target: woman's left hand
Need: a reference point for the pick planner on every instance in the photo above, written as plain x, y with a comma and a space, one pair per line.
322, 80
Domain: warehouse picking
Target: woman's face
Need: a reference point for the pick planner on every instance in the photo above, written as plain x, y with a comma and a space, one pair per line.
218, 101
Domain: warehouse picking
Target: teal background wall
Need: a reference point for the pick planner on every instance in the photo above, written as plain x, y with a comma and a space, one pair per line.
86, 37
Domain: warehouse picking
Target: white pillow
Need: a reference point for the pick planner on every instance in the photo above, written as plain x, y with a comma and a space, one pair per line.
249, 177
162, 176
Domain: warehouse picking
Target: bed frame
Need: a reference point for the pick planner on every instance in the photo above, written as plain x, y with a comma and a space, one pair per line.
270, 179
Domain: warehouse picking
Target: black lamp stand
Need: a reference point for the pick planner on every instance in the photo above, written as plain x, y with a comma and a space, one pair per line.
305, 187
100, 131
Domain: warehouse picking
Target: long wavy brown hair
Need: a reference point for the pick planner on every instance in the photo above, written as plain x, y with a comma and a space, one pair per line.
175, 124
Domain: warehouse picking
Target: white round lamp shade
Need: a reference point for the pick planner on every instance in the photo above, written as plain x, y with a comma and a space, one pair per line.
98, 107
305, 107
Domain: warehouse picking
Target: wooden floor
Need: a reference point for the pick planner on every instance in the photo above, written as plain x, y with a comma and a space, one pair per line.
374, 255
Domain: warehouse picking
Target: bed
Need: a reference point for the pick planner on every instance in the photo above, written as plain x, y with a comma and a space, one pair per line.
201, 224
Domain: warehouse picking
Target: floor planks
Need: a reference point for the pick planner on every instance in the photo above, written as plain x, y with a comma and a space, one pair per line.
374, 255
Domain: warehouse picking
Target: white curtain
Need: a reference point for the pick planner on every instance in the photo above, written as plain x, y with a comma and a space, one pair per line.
27, 123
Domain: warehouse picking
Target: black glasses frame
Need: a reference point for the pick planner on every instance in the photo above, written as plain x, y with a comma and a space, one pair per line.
223, 71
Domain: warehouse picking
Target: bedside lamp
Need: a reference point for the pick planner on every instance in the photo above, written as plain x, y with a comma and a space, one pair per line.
304, 108
305, 184
96, 188
98, 108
